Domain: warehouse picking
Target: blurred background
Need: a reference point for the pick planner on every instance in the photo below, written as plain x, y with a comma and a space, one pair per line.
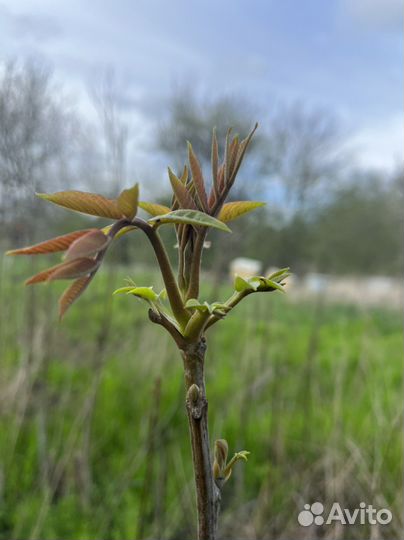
97, 96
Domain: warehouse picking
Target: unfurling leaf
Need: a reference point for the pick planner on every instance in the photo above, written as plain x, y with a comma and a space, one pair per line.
280, 274
72, 293
59, 243
214, 308
66, 270
89, 244
121, 232
146, 293
86, 203
197, 178
241, 284
181, 193
127, 202
259, 283
234, 210
221, 469
154, 209
243, 455
215, 162
191, 217
221, 451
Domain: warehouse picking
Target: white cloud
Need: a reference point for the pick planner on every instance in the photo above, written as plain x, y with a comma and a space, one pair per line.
380, 145
375, 14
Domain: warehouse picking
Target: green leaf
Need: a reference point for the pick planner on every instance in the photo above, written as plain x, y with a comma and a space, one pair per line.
121, 232
127, 201
154, 209
274, 285
280, 274
191, 217
192, 303
241, 284
256, 282
146, 293
236, 209
123, 290
215, 307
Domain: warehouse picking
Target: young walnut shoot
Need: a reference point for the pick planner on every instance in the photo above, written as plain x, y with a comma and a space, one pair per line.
178, 308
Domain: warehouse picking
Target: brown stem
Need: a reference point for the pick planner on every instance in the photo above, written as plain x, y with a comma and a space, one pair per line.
173, 292
193, 289
207, 493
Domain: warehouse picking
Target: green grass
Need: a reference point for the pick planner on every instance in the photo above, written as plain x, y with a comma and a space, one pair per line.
94, 438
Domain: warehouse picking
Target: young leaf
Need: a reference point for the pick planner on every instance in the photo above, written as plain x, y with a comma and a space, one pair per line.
197, 178
243, 455
192, 217
234, 210
72, 293
127, 201
65, 270
215, 162
121, 232
146, 293
74, 269
59, 243
86, 203
154, 209
180, 191
269, 284
87, 245
234, 148
226, 161
241, 151
241, 284
193, 303
184, 175
124, 290
280, 274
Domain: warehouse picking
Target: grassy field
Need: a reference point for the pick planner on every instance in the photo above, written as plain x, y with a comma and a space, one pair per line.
94, 437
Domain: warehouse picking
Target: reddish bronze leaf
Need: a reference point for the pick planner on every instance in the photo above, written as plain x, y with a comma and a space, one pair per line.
87, 245
181, 193
197, 178
184, 175
74, 269
65, 270
59, 243
215, 162
86, 203
234, 148
72, 293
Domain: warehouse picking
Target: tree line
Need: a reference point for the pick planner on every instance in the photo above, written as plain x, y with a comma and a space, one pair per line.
323, 213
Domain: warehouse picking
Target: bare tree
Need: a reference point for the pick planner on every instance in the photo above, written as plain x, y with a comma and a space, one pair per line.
35, 137
115, 131
303, 152
187, 116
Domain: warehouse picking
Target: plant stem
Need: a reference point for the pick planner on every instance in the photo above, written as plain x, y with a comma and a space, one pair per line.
173, 292
193, 290
207, 493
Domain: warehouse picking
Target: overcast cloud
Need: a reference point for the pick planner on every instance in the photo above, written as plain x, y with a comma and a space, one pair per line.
344, 55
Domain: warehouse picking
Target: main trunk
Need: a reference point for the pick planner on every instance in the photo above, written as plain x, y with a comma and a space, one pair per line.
207, 493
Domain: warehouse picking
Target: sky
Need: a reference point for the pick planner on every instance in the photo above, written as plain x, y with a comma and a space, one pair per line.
344, 56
